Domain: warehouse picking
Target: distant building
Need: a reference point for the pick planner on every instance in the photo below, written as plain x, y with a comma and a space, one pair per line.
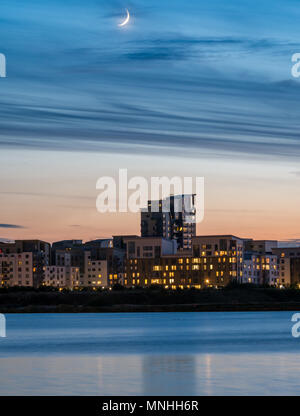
41, 256
16, 269
260, 246
95, 272
162, 219
101, 243
288, 260
223, 257
141, 253
208, 261
213, 261
295, 271
113, 255
68, 253
146, 247
259, 262
260, 269
65, 277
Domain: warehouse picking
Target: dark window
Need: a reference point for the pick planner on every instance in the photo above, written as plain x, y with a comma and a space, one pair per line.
223, 245
157, 251
131, 248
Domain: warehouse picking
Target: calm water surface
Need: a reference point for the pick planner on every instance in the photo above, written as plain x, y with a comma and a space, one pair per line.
211, 353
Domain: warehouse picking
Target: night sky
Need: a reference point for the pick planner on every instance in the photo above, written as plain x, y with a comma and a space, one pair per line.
186, 88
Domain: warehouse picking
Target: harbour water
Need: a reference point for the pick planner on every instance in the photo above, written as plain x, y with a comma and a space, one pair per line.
211, 353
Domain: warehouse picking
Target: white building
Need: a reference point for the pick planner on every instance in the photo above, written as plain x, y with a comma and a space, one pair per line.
95, 272
16, 269
260, 269
62, 276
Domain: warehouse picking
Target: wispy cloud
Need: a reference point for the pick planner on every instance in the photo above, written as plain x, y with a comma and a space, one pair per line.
151, 86
11, 226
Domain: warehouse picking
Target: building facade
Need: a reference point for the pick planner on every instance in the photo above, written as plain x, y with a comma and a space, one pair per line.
16, 269
260, 269
173, 218
95, 272
64, 277
213, 261
288, 265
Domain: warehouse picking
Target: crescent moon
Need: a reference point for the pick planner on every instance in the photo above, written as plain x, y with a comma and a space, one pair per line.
126, 20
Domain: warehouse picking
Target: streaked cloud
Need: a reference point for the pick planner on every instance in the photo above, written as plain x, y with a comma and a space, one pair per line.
90, 87
206, 88
11, 226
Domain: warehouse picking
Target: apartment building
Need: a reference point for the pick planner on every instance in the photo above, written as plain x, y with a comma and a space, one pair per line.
68, 253
62, 277
112, 252
172, 218
260, 269
295, 271
144, 252
260, 247
213, 261
16, 269
149, 247
220, 257
41, 256
95, 272
288, 265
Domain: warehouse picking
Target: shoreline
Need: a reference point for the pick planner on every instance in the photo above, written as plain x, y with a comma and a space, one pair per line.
234, 299
274, 307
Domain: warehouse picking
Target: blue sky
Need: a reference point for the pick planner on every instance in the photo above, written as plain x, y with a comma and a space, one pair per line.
204, 86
